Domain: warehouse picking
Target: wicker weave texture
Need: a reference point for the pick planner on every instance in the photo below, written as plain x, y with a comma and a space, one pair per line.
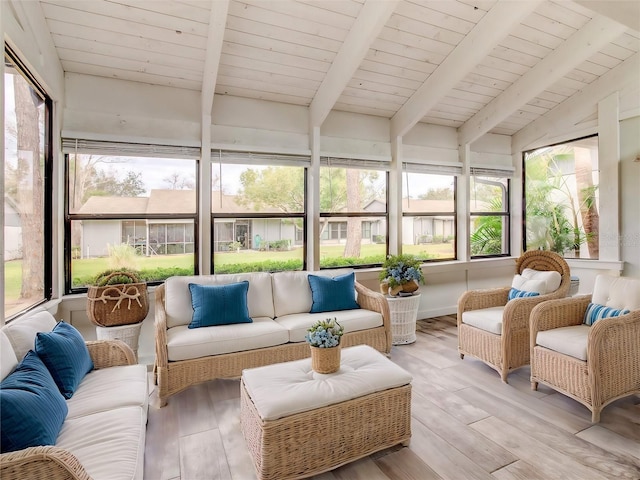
612, 368
173, 377
325, 360
129, 334
316, 441
52, 463
404, 311
511, 349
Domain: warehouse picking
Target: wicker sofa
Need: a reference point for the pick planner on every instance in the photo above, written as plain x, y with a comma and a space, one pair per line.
103, 434
278, 304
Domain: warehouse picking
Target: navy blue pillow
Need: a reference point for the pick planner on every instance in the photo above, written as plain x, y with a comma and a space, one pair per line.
219, 304
66, 356
32, 409
332, 294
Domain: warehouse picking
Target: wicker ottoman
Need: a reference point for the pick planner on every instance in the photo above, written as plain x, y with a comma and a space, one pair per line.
298, 423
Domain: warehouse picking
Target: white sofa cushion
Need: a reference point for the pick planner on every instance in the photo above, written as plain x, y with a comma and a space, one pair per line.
8, 360
537, 281
570, 341
487, 319
291, 291
288, 388
22, 331
352, 321
110, 388
617, 292
184, 343
109, 445
178, 298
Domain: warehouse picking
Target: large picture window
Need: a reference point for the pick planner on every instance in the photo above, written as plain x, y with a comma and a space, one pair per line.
429, 215
489, 212
27, 190
353, 213
561, 198
258, 210
129, 211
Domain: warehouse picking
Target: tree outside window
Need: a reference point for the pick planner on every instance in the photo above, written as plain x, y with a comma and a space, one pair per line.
561, 198
26, 157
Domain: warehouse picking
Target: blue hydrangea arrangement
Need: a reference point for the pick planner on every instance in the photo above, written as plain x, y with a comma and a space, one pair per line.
400, 269
325, 333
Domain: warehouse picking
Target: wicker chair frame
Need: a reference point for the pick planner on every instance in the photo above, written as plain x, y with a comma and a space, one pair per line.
175, 376
612, 368
509, 350
55, 463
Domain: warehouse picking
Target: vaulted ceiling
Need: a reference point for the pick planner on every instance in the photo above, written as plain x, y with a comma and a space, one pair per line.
477, 65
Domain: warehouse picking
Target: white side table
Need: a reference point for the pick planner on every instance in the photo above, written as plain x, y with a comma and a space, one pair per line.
129, 334
404, 312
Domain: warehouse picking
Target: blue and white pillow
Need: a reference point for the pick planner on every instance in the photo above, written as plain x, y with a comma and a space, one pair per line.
597, 312
515, 293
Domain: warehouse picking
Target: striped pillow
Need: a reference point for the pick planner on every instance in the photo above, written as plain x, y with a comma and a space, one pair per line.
515, 293
597, 312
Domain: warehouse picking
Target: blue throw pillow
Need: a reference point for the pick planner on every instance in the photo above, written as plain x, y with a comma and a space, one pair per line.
66, 356
332, 294
32, 409
515, 293
219, 304
597, 312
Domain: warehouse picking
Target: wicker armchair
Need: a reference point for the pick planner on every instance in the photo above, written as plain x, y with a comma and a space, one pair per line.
495, 329
596, 364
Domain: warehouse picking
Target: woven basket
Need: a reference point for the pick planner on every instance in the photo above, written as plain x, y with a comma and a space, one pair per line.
325, 360
122, 304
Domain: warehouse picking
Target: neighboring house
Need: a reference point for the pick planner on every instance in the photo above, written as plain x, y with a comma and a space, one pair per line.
165, 236
12, 231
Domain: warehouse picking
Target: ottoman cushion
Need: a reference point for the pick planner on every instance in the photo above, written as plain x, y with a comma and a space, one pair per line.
293, 387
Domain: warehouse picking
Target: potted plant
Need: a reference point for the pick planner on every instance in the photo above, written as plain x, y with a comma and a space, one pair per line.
400, 275
117, 297
324, 340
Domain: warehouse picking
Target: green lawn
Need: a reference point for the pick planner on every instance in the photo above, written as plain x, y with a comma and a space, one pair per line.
85, 268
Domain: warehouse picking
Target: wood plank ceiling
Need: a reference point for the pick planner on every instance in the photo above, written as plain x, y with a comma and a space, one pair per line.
425, 61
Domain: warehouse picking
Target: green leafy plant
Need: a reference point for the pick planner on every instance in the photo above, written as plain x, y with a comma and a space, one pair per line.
116, 276
400, 269
325, 333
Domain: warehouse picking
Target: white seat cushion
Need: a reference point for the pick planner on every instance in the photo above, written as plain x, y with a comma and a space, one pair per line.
352, 321
288, 388
184, 343
21, 332
570, 341
8, 360
110, 388
487, 319
178, 297
292, 293
109, 445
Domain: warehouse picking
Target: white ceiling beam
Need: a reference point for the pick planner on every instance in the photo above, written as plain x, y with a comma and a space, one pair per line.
372, 18
578, 106
215, 36
587, 41
625, 12
496, 24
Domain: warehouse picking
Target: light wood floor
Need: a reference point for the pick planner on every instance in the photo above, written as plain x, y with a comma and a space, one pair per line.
466, 424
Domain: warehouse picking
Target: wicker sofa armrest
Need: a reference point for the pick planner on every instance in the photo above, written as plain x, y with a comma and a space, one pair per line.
562, 312
376, 302
162, 352
52, 463
110, 353
486, 298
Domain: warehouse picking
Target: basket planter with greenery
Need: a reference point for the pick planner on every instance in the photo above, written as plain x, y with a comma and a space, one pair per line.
400, 274
117, 297
324, 340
